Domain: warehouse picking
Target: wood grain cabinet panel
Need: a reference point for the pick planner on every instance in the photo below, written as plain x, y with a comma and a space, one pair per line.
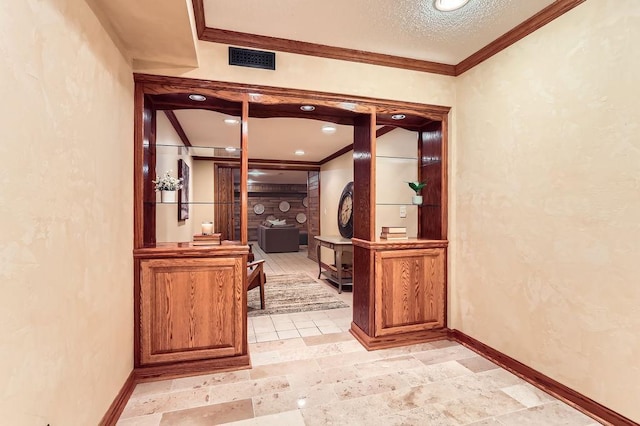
191, 309
410, 291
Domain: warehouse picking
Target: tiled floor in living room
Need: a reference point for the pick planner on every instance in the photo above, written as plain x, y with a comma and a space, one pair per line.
321, 375
301, 324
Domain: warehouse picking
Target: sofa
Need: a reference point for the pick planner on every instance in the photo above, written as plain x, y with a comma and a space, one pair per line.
278, 238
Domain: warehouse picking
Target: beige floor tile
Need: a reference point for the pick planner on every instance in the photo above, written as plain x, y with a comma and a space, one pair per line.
266, 337
528, 395
151, 388
159, 403
284, 368
292, 399
262, 329
304, 324
208, 380
328, 338
352, 412
477, 364
405, 350
433, 373
387, 365
487, 422
288, 334
419, 396
329, 329
449, 353
307, 332
282, 345
479, 407
427, 415
151, 420
552, 414
288, 418
243, 390
439, 344
209, 414
329, 349
264, 358
328, 376
369, 386
347, 359
285, 326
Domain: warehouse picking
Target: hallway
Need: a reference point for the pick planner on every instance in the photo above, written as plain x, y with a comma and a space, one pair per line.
307, 369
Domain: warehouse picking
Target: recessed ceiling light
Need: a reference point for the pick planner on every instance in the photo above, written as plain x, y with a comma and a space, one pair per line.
231, 121
198, 98
307, 108
329, 129
449, 5
398, 117
230, 149
299, 152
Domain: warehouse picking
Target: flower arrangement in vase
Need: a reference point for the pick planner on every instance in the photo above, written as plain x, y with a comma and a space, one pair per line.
167, 185
417, 186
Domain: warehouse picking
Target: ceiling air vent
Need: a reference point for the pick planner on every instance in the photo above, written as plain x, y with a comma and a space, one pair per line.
252, 58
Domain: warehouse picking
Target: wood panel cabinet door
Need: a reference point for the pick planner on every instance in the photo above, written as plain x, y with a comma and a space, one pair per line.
409, 290
191, 309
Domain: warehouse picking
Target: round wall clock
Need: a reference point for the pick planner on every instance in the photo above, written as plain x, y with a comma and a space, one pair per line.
284, 206
345, 212
258, 209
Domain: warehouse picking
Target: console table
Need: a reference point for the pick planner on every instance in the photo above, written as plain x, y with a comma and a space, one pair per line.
337, 272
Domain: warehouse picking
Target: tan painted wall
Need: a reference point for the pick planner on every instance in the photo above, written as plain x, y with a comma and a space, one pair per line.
66, 344
327, 75
547, 202
334, 175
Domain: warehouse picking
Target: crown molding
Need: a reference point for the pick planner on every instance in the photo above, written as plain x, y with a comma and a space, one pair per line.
236, 38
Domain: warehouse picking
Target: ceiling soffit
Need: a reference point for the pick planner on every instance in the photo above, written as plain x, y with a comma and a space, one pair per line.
440, 45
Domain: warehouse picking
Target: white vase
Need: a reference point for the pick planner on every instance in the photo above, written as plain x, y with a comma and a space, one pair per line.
416, 199
168, 196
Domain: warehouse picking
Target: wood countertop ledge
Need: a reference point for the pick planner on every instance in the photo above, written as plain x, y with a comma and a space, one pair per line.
187, 249
411, 243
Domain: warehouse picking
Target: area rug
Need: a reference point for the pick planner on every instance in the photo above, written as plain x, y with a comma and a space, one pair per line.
287, 293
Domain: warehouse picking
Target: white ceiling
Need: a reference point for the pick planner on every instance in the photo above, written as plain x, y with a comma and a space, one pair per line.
269, 138
405, 28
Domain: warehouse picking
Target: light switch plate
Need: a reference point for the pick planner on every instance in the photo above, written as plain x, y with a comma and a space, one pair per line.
403, 211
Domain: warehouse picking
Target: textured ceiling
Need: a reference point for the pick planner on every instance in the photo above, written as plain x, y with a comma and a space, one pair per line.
406, 28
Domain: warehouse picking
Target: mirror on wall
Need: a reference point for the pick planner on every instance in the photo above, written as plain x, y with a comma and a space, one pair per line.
187, 143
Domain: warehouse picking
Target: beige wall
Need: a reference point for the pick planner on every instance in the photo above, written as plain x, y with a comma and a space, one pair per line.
66, 326
334, 175
547, 202
171, 149
327, 75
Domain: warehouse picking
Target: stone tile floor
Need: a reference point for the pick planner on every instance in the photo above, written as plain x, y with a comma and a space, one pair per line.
330, 379
303, 324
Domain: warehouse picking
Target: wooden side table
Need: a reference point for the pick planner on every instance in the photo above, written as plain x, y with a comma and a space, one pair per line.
335, 273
